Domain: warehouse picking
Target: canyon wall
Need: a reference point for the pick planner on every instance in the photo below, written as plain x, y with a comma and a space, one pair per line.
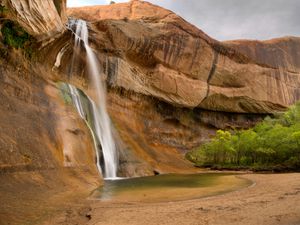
43, 19
47, 157
170, 87
156, 53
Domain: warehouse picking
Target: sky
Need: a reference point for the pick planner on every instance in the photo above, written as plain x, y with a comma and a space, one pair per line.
231, 19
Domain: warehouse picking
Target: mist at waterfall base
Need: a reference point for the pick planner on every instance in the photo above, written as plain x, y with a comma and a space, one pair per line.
101, 129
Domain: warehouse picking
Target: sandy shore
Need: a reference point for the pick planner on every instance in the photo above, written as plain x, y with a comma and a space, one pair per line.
274, 199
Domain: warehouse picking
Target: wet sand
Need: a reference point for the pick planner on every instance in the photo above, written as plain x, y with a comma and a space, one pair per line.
274, 199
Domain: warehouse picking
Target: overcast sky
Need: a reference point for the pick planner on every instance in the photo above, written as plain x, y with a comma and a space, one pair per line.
232, 19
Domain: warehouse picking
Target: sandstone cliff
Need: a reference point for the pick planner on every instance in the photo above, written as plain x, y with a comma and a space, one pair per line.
47, 158
176, 83
170, 85
43, 19
276, 53
161, 55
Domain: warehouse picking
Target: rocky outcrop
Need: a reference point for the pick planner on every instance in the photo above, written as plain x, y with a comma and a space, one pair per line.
279, 53
43, 19
47, 157
156, 134
175, 84
156, 53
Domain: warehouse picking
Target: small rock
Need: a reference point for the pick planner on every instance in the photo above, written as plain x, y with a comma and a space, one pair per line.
89, 216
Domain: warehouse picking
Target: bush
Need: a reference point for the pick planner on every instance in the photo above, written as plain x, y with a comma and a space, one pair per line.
271, 145
16, 37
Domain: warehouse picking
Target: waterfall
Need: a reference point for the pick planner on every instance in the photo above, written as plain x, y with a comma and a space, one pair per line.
83, 114
102, 123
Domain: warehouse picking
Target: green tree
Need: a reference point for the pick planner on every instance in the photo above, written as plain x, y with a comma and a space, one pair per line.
296, 137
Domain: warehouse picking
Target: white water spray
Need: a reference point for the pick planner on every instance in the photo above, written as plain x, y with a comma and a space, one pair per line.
102, 121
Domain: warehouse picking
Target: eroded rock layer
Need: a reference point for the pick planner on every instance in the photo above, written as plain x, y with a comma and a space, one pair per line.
156, 53
43, 19
46, 151
170, 85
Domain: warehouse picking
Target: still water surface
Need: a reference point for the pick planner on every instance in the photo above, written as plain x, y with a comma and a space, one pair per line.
171, 187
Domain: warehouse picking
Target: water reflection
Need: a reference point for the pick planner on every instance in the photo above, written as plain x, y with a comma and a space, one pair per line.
170, 187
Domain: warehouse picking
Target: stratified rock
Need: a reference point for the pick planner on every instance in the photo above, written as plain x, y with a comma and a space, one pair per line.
157, 53
175, 84
276, 53
43, 19
46, 150
170, 85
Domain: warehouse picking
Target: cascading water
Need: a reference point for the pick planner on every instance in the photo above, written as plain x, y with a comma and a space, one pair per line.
83, 114
102, 123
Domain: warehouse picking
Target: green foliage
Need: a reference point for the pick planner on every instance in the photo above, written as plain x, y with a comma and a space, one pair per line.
16, 37
57, 4
273, 144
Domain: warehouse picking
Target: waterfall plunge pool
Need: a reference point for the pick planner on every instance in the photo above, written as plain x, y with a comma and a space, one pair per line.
169, 187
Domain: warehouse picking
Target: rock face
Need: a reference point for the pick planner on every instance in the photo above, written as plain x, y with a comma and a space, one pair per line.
46, 151
43, 19
47, 157
159, 54
175, 84
276, 53
170, 86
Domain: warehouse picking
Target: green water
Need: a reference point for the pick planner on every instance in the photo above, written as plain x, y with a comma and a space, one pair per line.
172, 187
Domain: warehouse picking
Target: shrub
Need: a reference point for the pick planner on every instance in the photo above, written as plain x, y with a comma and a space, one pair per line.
16, 37
273, 143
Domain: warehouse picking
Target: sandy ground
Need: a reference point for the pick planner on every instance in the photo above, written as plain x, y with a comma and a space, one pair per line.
31, 197
273, 199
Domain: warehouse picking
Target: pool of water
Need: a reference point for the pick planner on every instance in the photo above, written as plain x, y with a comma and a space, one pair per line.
171, 187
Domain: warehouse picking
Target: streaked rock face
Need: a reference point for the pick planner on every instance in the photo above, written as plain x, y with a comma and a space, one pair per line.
39, 130
174, 84
157, 53
43, 19
277, 53
170, 85
46, 151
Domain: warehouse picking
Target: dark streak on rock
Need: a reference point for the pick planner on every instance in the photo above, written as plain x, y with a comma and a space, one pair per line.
195, 53
111, 71
177, 49
166, 50
212, 72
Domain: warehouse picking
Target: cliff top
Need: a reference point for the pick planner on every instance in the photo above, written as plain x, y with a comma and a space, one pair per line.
136, 11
